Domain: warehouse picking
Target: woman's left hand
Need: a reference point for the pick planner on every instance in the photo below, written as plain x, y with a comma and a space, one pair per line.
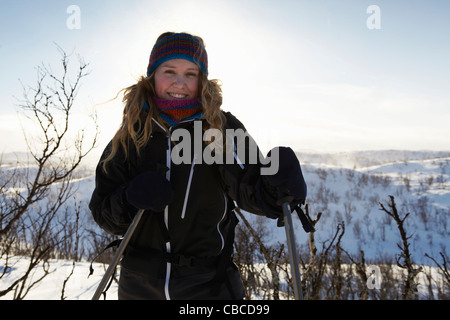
286, 183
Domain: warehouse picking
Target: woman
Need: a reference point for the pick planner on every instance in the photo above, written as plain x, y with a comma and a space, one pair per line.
182, 247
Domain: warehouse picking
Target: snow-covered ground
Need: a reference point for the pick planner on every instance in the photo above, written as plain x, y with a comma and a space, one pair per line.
345, 187
79, 286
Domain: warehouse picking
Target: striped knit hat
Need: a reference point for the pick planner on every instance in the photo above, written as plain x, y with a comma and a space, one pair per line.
178, 46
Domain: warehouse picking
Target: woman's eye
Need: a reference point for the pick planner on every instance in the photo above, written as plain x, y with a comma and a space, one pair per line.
188, 75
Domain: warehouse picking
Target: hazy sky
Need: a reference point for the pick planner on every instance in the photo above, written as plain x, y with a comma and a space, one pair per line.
314, 75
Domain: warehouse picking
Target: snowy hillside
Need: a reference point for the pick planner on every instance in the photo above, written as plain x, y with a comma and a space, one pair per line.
344, 187
364, 159
349, 188
420, 183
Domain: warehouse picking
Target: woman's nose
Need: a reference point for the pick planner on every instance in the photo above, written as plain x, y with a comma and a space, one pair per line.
178, 81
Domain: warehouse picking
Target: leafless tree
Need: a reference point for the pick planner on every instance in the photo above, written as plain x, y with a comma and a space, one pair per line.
32, 195
71, 243
443, 267
272, 256
361, 272
404, 260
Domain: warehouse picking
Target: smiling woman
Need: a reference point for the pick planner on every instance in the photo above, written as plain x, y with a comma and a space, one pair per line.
184, 242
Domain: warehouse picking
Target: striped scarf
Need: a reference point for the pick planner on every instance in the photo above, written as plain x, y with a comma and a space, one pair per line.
174, 111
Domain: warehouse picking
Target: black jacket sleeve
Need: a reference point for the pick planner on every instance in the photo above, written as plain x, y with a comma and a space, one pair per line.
242, 177
108, 206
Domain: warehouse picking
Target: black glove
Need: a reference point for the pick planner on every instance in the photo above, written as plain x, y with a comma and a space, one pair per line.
149, 191
286, 183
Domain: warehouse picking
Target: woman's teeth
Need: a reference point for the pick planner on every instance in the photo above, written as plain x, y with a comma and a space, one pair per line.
177, 96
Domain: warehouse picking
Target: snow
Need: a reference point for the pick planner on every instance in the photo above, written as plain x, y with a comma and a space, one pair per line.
80, 286
345, 187
416, 184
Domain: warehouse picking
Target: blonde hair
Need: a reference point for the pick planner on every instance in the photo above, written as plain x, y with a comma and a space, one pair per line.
137, 124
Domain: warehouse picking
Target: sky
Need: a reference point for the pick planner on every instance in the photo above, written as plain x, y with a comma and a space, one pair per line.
322, 76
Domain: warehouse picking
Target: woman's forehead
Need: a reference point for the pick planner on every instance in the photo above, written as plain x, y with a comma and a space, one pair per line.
179, 63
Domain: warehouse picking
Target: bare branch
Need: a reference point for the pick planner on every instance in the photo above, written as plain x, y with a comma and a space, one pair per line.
405, 255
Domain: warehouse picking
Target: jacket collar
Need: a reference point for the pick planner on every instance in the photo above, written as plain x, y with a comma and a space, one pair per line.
183, 124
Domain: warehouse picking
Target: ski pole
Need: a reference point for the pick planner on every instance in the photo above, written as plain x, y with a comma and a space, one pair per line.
115, 260
288, 226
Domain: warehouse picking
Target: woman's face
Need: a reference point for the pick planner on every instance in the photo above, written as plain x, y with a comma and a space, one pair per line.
177, 79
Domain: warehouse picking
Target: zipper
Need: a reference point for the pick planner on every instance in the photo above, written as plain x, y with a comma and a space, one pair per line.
166, 218
168, 270
188, 187
166, 209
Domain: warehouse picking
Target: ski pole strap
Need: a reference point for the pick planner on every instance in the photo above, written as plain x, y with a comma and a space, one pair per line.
114, 243
109, 283
306, 223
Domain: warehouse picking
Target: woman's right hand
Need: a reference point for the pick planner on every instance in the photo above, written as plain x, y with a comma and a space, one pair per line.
149, 191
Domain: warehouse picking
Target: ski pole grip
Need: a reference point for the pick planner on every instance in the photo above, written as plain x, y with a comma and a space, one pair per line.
281, 201
285, 199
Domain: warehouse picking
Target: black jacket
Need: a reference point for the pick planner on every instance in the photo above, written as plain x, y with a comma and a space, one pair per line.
198, 221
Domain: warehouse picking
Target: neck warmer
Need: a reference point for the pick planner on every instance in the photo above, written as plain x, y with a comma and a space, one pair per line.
175, 111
